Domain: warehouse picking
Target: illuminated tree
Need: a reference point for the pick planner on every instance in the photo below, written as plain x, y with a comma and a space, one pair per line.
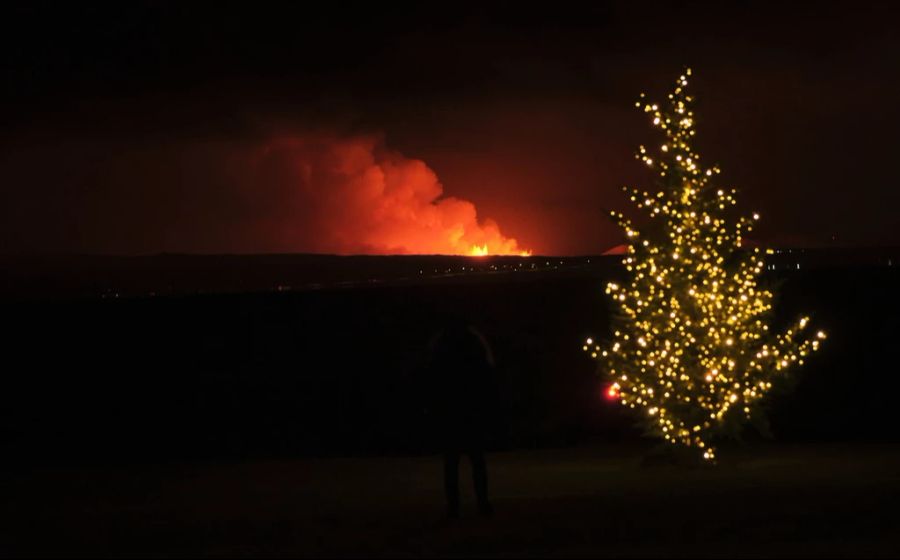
692, 350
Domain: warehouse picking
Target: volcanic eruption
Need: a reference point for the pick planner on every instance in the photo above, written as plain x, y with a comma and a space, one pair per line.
353, 195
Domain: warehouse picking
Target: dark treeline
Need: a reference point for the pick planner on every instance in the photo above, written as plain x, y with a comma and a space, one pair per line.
340, 372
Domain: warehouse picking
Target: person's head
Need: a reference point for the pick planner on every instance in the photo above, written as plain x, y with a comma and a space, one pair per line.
453, 323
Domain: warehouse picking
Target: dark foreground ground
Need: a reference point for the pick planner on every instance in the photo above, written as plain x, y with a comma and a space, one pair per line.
244, 396
766, 500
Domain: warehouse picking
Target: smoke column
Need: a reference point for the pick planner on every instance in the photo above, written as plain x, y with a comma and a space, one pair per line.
304, 192
352, 195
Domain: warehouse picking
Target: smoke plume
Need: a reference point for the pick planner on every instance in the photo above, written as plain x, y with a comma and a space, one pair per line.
353, 195
309, 192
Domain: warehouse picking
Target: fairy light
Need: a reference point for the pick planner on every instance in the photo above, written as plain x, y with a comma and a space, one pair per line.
693, 348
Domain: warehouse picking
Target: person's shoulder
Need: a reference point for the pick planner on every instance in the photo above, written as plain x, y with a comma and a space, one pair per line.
488, 353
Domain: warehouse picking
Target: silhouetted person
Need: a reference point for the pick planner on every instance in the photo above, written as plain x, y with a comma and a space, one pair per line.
464, 406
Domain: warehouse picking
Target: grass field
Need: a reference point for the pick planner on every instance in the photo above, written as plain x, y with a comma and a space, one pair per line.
766, 500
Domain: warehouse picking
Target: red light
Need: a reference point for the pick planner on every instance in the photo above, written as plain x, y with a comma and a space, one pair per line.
612, 392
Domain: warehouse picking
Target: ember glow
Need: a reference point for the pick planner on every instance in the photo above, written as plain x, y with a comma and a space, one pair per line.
354, 196
483, 251
477, 251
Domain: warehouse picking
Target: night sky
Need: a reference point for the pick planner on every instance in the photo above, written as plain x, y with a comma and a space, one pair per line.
143, 128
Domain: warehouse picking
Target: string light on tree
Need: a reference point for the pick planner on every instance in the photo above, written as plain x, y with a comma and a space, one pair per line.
692, 349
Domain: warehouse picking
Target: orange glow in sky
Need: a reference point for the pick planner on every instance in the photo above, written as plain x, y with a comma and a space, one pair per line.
352, 195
